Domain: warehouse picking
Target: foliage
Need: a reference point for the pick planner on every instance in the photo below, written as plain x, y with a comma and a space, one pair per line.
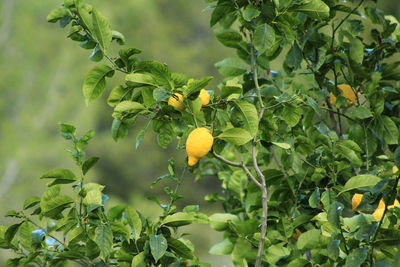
289, 162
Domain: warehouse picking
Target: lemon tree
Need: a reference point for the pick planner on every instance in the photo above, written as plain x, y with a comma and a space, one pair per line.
302, 133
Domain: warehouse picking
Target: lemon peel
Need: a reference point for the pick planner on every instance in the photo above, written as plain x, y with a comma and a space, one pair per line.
204, 96
176, 103
198, 144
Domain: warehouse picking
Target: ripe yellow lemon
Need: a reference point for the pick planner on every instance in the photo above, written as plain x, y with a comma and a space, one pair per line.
176, 101
205, 97
198, 144
378, 213
347, 92
356, 200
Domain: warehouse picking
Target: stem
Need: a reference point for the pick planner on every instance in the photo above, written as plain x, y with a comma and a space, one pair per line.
239, 165
264, 192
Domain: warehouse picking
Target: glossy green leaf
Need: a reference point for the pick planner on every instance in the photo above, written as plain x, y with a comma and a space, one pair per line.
140, 78
95, 82
88, 164
101, 29
356, 50
178, 219
360, 181
316, 9
139, 260
223, 248
309, 239
127, 108
250, 12
236, 136
249, 115
57, 14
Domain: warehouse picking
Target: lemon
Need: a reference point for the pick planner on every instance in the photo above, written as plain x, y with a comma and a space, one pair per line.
347, 92
176, 101
205, 97
378, 213
356, 200
198, 144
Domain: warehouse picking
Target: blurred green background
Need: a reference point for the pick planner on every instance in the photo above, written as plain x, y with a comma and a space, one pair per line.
41, 73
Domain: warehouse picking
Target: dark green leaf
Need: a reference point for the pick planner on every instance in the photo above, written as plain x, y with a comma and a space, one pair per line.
104, 240
356, 257
88, 164
134, 222
264, 37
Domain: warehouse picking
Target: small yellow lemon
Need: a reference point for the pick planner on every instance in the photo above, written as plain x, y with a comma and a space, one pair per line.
378, 213
205, 97
356, 200
176, 101
347, 92
198, 144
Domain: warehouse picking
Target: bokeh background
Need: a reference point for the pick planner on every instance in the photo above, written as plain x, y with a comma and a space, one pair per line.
41, 74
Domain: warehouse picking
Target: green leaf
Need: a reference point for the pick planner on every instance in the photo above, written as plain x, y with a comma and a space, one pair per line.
219, 221
52, 204
223, 248
360, 181
282, 145
228, 37
360, 112
140, 78
249, 115
158, 246
356, 257
334, 213
236, 136
118, 93
309, 239
95, 82
160, 94
230, 90
294, 57
231, 67
178, 219
356, 50
25, 233
31, 202
139, 260
134, 222
104, 239
60, 176
11, 232
291, 114
57, 14
264, 37
195, 86
316, 9
127, 109
396, 157
314, 199
88, 164
180, 248
119, 37
250, 12
118, 130
391, 131
101, 29
67, 131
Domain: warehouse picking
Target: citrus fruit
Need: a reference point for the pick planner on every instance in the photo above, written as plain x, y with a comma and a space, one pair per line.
198, 144
347, 92
176, 101
205, 97
356, 200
